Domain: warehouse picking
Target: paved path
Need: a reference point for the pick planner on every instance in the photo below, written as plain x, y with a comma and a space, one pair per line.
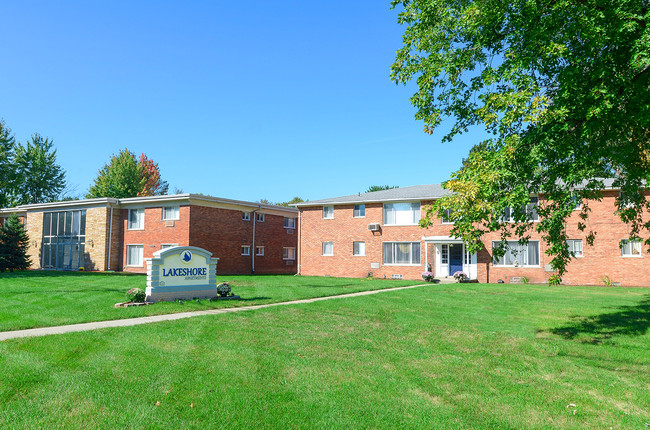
45, 331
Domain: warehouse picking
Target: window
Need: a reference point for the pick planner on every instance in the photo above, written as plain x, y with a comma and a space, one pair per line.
518, 254
289, 222
328, 212
170, 213
530, 209
446, 216
401, 213
259, 217
136, 219
134, 255
168, 245
359, 248
631, 248
259, 250
246, 216
444, 254
328, 248
245, 250
359, 211
402, 253
289, 253
575, 247
63, 240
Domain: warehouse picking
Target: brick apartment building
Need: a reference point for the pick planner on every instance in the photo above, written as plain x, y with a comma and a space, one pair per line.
119, 234
377, 234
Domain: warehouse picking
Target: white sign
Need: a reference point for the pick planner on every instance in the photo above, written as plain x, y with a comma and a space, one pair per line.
181, 272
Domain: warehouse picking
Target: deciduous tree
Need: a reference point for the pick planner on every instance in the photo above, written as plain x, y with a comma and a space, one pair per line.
563, 87
126, 176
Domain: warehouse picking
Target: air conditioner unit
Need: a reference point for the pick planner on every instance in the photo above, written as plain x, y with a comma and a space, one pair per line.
374, 227
169, 223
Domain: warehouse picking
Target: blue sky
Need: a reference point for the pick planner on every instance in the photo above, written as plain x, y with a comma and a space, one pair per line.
243, 100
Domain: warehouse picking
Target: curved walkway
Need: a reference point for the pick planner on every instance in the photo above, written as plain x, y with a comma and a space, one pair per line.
46, 331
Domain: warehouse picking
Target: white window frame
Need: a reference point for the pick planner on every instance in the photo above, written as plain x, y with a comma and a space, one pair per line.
129, 254
259, 217
389, 212
360, 208
525, 254
176, 217
331, 245
361, 247
288, 220
289, 253
246, 216
412, 254
246, 250
633, 247
571, 245
168, 245
328, 212
259, 251
531, 208
445, 219
140, 219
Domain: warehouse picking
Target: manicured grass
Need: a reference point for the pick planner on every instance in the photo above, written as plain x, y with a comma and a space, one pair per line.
439, 356
42, 298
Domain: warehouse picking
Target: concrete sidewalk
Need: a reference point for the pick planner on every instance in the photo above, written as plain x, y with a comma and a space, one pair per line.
46, 331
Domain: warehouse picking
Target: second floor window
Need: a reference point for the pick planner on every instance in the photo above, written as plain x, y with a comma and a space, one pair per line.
136, 219
170, 213
328, 212
359, 211
402, 213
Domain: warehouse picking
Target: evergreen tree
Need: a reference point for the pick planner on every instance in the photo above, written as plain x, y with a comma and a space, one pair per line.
7, 148
14, 242
39, 179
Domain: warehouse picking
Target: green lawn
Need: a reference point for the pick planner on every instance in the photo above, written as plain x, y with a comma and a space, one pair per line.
440, 356
44, 298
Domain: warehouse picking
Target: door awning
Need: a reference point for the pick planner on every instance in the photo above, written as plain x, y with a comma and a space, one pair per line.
442, 239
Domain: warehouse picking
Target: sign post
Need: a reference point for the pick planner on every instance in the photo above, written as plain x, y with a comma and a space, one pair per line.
181, 272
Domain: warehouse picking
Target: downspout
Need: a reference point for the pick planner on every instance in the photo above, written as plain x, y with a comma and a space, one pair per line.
253, 244
299, 238
110, 234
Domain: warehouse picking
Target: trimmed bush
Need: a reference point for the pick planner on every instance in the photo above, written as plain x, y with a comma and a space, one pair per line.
223, 289
136, 295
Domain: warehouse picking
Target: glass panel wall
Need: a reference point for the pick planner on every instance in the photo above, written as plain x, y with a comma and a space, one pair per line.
64, 240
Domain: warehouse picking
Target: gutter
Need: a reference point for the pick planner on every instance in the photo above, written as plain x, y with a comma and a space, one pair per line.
110, 235
254, 215
299, 240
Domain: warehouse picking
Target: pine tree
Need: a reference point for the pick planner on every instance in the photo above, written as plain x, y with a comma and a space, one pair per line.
13, 245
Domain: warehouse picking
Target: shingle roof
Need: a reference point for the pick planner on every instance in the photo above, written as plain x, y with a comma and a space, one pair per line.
416, 192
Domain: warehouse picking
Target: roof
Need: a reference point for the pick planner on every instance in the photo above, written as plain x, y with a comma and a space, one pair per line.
152, 201
416, 192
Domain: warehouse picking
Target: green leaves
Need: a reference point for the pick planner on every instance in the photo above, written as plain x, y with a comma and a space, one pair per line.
564, 87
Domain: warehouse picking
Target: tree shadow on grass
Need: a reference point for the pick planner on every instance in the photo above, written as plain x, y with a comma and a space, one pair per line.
627, 321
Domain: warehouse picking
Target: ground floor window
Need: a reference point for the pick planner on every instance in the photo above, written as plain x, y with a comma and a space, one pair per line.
575, 247
134, 255
289, 253
245, 250
168, 245
518, 254
359, 248
401, 253
64, 240
328, 248
259, 250
631, 248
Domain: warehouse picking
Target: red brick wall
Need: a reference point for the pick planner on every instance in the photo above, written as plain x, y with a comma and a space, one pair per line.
223, 232
343, 230
155, 232
603, 259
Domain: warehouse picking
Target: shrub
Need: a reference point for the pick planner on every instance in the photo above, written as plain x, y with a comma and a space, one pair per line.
223, 290
460, 276
427, 276
554, 280
606, 281
136, 295
525, 280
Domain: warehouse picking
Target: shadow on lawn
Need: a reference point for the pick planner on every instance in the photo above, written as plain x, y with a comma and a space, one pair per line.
627, 321
61, 273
